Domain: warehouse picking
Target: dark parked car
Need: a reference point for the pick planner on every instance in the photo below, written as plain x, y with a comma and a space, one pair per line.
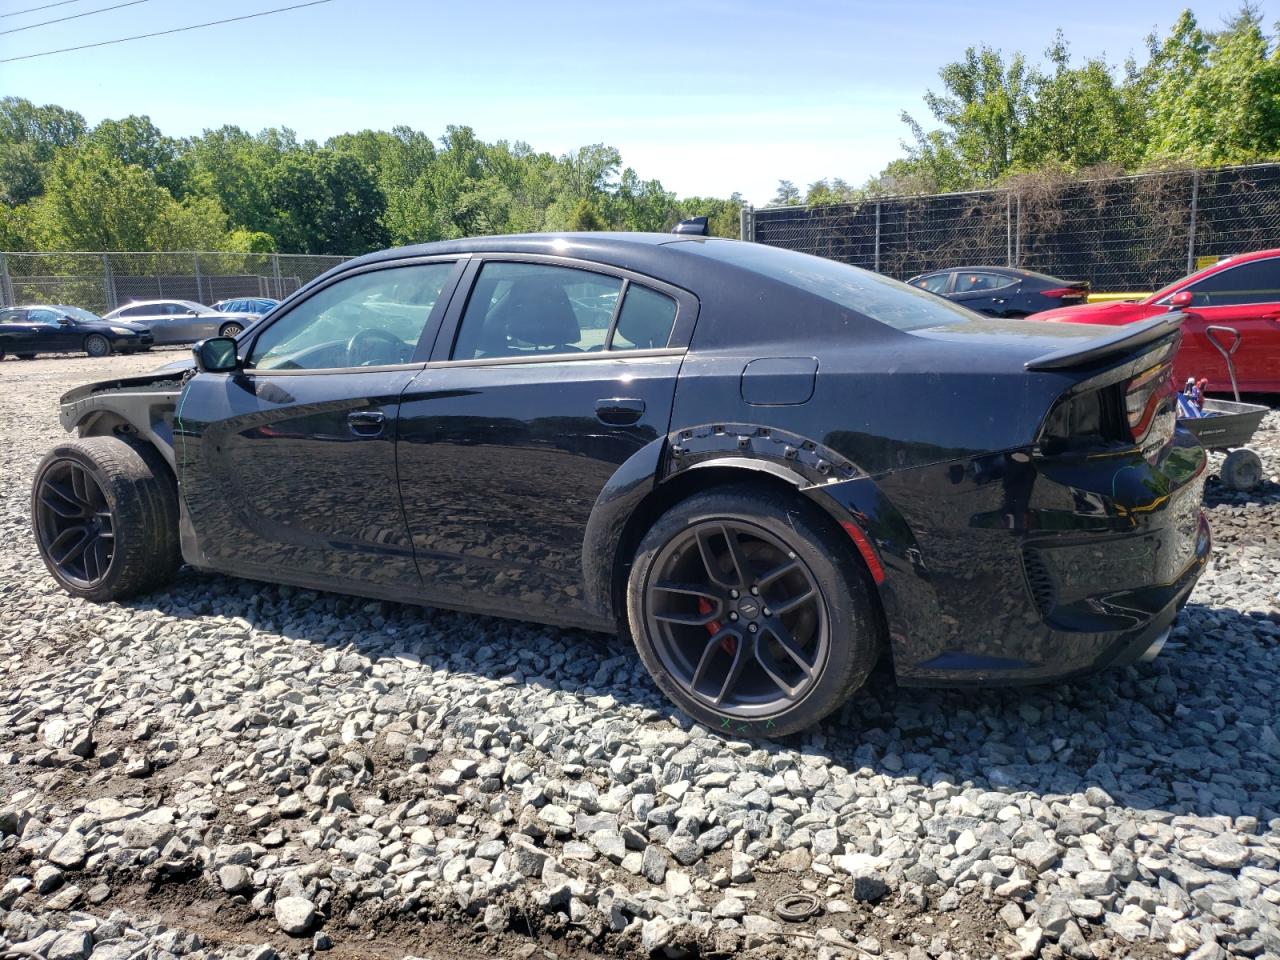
44, 328
182, 321
255, 305
766, 468
1003, 291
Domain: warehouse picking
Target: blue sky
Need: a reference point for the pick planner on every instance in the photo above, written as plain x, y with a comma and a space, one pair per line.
706, 95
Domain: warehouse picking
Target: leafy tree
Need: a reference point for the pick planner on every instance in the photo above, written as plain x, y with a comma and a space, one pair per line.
586, 217
325, 202
136, 140
93, 201
787, 195
48, 128
21, 173
826, 192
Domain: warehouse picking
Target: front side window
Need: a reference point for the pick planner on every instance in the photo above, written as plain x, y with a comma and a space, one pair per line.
1255, 282
975, 282
369, 319
45, 317
531, 309
937, 283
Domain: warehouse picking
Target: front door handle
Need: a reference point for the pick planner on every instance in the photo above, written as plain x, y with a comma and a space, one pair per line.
366, 423
619, 411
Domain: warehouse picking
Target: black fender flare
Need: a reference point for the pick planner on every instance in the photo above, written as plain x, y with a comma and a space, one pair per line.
877, 530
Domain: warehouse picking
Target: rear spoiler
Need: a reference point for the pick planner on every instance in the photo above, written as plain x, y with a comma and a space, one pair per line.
1117, 341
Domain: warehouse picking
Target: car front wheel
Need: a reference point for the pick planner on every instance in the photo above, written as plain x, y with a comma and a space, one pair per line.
96, 345
105, 513
751, 612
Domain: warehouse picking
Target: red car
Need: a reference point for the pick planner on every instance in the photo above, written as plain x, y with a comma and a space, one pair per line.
1240, 292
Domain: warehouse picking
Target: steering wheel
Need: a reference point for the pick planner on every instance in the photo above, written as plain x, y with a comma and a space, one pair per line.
357, 346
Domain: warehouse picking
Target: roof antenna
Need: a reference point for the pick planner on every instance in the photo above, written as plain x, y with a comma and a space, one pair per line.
694, 226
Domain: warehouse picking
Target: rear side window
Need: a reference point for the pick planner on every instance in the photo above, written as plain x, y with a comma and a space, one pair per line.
645, 320
975, 282
535, 309
1256, 282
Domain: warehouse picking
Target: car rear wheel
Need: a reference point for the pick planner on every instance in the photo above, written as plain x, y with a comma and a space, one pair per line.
230, 329
26, 356
105, 513
751, 612
96, 345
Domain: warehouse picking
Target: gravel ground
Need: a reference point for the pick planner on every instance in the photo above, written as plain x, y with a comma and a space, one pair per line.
242, 770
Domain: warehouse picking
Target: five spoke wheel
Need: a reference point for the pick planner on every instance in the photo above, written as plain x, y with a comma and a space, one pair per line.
75, 523
737, 618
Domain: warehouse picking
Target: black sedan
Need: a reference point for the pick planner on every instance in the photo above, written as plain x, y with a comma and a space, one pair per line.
40, 328
767, 469
1003, 291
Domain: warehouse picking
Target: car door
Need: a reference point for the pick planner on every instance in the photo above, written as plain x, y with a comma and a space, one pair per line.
287, 468
550, 377
15, 332
982, 291
50, 335
1245, 298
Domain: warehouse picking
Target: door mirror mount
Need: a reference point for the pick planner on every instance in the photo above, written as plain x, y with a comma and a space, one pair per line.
1181, 300
66, 321
216, 355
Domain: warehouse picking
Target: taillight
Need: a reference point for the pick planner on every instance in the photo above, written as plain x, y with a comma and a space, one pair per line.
1144, 396
1057, 293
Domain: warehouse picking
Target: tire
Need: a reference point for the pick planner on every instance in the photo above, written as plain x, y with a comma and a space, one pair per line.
837, 630
96, 345
1241, 470
230, 329
26, 356
103, 482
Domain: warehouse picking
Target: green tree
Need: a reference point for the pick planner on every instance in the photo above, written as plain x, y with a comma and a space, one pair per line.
136, 140
325, 202
586, 217
92, 201
787, 195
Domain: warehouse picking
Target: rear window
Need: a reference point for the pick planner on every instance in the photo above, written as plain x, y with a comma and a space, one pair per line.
890, 302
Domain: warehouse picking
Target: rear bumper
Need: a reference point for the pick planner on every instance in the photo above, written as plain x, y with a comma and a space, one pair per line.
1046, 570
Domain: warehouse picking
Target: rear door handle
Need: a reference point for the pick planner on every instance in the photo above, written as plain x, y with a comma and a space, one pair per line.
366, 423
619, 411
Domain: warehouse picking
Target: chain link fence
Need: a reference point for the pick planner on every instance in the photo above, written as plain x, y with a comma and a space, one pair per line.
104, 281
1123, 233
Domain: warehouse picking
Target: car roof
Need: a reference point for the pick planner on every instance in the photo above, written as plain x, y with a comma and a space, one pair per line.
1223, 264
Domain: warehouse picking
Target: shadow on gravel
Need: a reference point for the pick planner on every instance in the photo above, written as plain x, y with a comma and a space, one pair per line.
1186, 734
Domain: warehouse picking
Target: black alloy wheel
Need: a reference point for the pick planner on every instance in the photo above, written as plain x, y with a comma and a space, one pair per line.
737, 618
752, 611
105, 517
75, 524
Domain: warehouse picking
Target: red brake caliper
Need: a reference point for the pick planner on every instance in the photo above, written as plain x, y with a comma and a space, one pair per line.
728, 644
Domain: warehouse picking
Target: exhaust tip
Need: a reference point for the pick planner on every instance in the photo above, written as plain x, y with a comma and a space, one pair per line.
1157, 645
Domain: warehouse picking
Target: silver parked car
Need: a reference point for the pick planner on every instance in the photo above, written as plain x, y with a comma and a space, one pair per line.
182, 321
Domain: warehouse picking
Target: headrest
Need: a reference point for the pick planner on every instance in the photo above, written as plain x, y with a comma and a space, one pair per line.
537, 311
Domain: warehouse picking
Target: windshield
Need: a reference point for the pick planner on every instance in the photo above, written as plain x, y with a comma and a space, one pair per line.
889, 301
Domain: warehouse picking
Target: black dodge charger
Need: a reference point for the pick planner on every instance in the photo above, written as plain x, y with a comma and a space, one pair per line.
767, 469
